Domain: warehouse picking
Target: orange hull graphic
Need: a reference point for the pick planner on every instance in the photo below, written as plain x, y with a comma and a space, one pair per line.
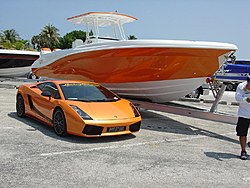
135, 64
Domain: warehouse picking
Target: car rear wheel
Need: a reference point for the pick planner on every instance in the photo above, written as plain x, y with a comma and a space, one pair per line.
59, 123
20, 108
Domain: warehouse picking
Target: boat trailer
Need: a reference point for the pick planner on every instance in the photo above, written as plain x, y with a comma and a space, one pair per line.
190, 111
186, 111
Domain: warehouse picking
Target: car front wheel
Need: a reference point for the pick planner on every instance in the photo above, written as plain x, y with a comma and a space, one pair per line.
59, 123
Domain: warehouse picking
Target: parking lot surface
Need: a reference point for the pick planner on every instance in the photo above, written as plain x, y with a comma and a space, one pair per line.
169, 151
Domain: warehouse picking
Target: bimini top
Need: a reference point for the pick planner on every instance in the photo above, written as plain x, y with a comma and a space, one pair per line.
102, 18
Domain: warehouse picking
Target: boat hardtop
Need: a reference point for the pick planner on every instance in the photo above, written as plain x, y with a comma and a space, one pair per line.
102, 19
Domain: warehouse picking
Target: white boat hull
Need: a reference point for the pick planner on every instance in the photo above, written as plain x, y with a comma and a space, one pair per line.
14, 72
14, 63
156, 91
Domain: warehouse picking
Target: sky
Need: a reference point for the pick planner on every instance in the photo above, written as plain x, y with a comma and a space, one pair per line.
200, 20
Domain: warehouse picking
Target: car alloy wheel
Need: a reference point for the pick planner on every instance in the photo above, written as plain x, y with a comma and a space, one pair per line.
20, 108
59, 123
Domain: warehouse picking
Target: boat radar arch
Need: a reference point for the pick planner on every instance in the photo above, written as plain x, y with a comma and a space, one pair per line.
102, 19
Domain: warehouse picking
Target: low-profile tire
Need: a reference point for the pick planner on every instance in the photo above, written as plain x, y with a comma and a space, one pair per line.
59, 123
20, 107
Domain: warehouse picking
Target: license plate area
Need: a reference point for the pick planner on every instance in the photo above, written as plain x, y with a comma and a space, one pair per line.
116, 129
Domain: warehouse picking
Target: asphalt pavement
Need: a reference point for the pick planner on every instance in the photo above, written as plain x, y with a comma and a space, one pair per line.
169, 151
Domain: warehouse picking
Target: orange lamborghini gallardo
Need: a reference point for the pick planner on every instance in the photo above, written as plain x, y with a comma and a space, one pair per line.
78, 107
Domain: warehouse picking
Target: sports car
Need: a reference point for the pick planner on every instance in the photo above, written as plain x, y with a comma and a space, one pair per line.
78, 107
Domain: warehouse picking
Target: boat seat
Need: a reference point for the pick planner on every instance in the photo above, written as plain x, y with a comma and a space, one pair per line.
45, 51
77, 42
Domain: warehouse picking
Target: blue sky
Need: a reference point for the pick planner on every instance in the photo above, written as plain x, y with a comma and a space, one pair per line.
204, 20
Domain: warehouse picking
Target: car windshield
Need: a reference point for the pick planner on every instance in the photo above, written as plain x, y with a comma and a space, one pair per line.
87, 92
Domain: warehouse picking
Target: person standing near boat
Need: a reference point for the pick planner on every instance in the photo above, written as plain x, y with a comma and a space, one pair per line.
243, 96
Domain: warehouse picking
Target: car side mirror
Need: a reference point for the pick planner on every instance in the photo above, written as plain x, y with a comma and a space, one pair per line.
46, 94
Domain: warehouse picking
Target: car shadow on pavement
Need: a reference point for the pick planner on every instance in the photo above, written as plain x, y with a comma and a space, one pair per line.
48, 130
158, 122
221, 156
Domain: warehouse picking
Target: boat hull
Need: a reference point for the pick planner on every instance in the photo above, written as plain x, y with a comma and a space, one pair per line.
14, 63
14, 72
137, 64
156, 91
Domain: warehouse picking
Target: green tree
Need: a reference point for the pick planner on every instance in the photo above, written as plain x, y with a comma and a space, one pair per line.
48, 37
10, 35
65, 42
36, 41
10, 39
131, 37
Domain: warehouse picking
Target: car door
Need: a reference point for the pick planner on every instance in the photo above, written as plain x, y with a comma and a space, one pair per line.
44, 105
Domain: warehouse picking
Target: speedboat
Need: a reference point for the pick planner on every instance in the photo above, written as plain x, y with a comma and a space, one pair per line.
154, 70
234, 72
14, 63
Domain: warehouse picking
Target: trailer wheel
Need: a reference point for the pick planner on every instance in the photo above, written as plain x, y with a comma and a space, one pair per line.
30, 75
194, 94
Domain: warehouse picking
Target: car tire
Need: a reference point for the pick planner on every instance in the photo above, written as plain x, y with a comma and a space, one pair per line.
59, 122
20, 107
230, 87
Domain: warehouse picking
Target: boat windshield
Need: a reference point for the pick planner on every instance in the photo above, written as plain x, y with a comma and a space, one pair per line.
87, 92
240, 62
103, 24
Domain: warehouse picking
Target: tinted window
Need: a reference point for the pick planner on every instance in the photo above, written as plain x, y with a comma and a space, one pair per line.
50, 87
87, 92
241, 62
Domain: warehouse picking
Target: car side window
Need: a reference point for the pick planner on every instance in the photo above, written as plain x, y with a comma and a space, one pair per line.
50, 87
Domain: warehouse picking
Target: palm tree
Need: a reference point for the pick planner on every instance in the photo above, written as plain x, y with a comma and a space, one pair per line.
49, 36
10, 35
10, 39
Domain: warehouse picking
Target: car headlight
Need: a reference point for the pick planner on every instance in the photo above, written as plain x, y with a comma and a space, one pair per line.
137, 114
81, 113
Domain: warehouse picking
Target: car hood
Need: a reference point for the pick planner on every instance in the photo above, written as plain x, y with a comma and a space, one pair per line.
106, 110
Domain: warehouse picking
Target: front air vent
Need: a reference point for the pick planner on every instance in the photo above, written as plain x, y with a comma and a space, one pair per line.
135, 127
92, 130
